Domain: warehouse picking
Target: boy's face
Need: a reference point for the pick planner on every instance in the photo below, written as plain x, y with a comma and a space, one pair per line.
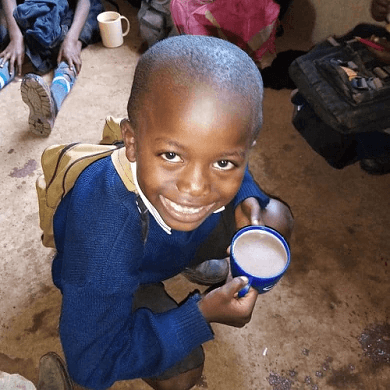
191, 150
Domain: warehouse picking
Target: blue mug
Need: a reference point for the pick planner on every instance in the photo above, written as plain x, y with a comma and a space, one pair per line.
261, 254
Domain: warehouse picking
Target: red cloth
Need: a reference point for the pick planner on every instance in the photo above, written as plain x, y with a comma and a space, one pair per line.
250, 24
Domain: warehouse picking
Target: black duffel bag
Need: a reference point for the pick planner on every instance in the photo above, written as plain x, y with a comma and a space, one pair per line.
343, 99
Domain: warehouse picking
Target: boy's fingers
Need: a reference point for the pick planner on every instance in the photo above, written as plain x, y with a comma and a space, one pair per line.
19, 65
233, 287
255, 213
11, 68
248, 212
248, 301
78, 67
3, 60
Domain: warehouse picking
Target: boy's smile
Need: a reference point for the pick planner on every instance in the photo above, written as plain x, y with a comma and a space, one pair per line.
183, 211
191, 148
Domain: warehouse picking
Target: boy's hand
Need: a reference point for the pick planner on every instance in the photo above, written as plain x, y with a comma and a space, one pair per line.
276, 215
248, 213
14, 53
223, 306
70, 52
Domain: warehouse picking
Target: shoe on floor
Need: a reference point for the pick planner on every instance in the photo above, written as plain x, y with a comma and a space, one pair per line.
36, 94
53, 374
208, 273
376, 166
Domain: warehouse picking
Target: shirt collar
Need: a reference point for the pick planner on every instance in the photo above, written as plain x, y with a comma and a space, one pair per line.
149, 206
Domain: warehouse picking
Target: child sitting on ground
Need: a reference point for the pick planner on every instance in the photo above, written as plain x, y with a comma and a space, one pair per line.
168, 202
52, 35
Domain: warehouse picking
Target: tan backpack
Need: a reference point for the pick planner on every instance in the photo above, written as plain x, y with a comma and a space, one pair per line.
62, 165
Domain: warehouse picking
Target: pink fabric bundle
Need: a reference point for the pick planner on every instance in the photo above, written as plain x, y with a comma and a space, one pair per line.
250, 24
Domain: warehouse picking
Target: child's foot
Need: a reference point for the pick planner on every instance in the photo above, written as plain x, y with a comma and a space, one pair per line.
36, 94
208, 273
53, 374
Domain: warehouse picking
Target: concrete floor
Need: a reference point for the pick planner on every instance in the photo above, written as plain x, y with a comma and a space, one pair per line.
325, 326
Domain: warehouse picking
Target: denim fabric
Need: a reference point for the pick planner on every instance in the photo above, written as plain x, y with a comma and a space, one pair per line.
45, 24
90, 32
4, 38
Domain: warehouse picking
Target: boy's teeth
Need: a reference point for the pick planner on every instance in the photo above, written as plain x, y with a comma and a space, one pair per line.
183, 209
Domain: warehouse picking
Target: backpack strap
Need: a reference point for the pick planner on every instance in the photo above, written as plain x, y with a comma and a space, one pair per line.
62, 165
112, 133
122, 166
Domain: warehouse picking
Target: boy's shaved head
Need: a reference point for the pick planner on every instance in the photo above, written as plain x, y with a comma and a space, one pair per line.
188, 61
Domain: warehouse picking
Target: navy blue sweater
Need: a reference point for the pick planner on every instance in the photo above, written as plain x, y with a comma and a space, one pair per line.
100, 263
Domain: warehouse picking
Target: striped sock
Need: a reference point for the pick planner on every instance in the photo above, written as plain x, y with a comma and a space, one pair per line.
5, 76
62, 83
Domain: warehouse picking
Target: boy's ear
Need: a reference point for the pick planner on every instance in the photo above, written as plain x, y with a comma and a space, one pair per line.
128, 136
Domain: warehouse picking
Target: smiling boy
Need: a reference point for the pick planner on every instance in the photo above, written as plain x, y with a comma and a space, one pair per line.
168, 202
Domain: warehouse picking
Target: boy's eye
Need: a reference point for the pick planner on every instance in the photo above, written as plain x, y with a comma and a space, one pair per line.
171, 156
224, 165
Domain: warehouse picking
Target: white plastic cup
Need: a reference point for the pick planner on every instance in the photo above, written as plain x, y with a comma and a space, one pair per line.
110, 26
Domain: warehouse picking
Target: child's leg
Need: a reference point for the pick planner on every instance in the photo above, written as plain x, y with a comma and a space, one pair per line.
63, 81
184, 374
44, 102
183, 381
36, 94
5, 76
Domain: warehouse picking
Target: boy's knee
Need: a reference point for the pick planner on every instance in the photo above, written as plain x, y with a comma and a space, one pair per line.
184, 381
278, 216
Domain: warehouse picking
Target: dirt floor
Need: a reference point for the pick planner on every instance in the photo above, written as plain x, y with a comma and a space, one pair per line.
325, 326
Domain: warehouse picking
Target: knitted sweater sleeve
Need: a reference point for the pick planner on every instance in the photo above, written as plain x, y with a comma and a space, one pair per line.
103, 339
104, 343
249, 188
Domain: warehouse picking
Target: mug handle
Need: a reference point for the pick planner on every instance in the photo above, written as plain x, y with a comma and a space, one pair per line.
128, 26
245, 290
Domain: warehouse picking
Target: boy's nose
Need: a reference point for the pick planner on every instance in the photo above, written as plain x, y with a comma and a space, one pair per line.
194, 181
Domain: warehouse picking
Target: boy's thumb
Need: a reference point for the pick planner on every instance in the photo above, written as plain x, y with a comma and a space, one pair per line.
239, 283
